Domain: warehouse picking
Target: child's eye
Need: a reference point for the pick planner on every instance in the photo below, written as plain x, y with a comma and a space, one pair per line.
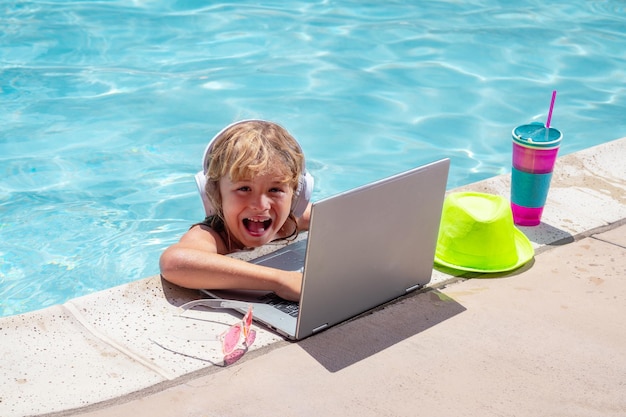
244, 188
277, 190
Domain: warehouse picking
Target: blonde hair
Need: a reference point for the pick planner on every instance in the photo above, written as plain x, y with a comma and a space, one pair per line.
248, 149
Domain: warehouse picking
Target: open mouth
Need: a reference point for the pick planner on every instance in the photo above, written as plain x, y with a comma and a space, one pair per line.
257, 227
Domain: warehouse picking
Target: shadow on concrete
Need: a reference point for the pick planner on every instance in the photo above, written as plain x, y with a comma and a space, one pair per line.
177, 296
545, 234
355, 340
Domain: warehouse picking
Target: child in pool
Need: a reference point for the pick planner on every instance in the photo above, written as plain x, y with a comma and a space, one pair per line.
256, 186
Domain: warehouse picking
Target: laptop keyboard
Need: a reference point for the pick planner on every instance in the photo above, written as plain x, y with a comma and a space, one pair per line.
288, 307
290, 258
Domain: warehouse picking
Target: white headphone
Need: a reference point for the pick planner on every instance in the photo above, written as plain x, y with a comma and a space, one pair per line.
301, 196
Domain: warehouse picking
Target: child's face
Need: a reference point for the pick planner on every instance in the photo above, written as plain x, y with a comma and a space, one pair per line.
255, 209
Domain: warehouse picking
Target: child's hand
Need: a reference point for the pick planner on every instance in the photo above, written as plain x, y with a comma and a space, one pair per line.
291, 284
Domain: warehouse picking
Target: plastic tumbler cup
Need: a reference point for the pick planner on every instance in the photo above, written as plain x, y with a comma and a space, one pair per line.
535, 148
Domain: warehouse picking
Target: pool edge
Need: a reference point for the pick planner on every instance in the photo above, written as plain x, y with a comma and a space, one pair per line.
89, 327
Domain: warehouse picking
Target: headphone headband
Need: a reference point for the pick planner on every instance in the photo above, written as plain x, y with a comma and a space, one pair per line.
301, 196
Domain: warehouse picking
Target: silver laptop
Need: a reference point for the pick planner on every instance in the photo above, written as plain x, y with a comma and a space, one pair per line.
364, 248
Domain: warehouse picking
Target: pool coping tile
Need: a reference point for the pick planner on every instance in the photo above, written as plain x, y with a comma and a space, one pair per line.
154, 332
51, 361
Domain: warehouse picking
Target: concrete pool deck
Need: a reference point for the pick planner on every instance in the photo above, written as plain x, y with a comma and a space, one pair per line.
548, 339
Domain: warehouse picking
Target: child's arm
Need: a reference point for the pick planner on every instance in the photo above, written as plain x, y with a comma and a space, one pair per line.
196, 262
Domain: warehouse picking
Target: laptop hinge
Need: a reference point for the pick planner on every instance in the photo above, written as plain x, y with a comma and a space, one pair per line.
413, 288
322, 327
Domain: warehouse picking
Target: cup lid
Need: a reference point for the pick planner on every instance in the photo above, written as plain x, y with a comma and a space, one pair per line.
536, 135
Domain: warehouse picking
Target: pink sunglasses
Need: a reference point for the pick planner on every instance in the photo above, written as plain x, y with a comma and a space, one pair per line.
230, 338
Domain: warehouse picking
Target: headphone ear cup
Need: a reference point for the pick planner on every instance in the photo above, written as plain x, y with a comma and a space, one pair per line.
302, 195
201, 184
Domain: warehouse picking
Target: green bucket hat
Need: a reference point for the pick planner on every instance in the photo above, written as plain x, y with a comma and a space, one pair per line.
477, 234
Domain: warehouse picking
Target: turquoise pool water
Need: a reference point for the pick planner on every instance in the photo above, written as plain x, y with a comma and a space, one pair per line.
107, 107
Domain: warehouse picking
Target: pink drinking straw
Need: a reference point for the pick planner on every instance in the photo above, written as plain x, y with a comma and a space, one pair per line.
551, 107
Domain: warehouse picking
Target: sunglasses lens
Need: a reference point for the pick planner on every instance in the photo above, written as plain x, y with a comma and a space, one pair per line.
250, 337
233, 357
231, 339
247, 319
